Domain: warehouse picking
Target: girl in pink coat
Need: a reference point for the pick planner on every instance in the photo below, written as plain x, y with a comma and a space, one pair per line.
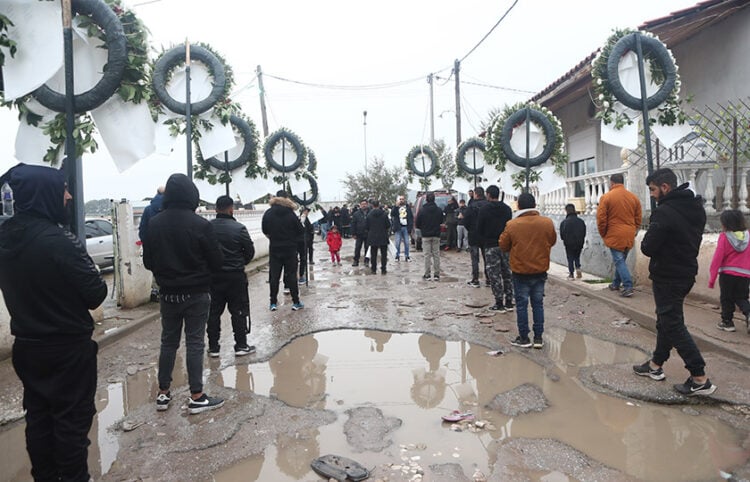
731, 262
333, 238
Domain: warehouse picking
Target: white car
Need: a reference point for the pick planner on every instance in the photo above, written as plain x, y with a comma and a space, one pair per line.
99, 242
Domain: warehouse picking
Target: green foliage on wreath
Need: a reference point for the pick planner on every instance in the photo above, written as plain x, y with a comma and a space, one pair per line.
83, 134
667, 114
460, 172
519, 179
424, 181
494, 155
253, 170
6, 41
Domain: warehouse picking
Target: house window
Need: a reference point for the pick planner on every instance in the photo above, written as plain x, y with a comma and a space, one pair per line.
581, 168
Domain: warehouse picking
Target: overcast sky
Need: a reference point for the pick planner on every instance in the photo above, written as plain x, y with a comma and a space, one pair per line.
352, 44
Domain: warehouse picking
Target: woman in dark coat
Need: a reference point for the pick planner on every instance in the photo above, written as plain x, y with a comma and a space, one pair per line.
378, 227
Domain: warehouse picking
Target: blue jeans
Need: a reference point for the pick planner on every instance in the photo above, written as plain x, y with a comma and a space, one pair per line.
402, 234
529, 288
622, 273
193, 312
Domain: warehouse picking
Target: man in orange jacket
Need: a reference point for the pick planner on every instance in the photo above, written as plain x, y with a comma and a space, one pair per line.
618, 219
529, 238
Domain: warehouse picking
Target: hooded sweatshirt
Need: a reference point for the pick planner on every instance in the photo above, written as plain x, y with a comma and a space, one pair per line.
48, 281
181, 248
281, 225
731, 257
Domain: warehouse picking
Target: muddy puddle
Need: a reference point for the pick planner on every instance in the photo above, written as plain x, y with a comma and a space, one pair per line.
417, 379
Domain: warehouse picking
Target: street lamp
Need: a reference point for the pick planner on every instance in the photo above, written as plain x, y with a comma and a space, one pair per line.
364, 124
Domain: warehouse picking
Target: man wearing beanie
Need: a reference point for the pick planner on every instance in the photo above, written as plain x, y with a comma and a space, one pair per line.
529, 238
49, 284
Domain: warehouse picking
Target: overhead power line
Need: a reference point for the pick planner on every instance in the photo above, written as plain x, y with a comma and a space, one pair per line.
491, 30
511, 89
349, 87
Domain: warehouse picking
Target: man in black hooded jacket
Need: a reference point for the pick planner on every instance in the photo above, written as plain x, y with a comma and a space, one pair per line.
283, 229
181, 250
49, 284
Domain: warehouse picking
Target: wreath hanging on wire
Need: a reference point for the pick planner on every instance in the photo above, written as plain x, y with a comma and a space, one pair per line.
248, 156
466, 157
417, 164
663, 70
134, 86
281, 138
496, 156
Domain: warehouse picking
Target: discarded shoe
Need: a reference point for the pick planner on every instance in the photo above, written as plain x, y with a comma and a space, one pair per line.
339, 468
457, 416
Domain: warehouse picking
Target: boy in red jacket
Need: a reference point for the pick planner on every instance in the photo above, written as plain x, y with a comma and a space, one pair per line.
333, 238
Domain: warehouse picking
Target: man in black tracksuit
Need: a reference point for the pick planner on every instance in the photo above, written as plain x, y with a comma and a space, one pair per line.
181, 250
229, 284
491, 221
283, 229
49, 284
673, 239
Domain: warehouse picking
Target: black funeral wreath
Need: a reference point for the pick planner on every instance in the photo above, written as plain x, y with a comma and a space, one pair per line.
174, 57
284, 135
411, 160
462, 162
246, 131
652, 48
313, 188
117, 59
519, 117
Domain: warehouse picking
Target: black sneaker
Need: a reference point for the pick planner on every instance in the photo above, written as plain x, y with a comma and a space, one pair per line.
522, 342
407, 259
627, 292
367, 260
613, 287
426, 277
244, 350
162, 401
498, 308
538, 342
204, 404
383, 271
373, 270
436, 277
213, 352
726, 325
473, 283
487, 284
397, 258
690, 387
747, 323
645, 370
356, 263
509, 306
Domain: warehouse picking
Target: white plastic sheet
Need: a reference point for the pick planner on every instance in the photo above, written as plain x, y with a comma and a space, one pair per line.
218, 139
125, 146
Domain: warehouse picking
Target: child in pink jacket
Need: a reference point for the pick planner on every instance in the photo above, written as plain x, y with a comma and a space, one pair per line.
731, 262
333, 238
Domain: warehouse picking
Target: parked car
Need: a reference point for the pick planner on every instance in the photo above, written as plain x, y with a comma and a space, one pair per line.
99, 242
441, 200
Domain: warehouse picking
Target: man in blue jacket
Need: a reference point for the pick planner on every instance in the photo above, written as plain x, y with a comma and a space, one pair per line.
49, 284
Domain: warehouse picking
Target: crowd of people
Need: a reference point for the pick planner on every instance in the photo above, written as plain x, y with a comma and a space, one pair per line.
199, 270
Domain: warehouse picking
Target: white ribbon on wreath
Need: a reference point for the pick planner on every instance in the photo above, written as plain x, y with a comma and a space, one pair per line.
45, 51
628, 136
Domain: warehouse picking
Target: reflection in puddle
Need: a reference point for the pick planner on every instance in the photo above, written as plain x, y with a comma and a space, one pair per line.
418, 378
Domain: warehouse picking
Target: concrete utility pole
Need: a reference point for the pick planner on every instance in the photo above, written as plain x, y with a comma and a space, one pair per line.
432, 110
456, 70
263, 114
364, 124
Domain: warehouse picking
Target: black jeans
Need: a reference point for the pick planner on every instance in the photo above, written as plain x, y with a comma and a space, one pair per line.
283, 259
302, 259
358, 244
229, 288
59, 384
734, 290
475, 251
574, 259
192, 313
671, 331
374, 257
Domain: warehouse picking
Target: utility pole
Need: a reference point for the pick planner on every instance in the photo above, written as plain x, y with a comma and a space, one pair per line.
364, 125
456, 70
432, 111
263, 114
